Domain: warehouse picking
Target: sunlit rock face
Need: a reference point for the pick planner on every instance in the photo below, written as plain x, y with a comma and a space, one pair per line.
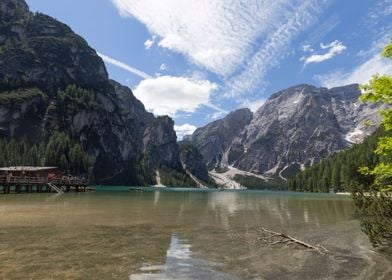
215, 138
295, 128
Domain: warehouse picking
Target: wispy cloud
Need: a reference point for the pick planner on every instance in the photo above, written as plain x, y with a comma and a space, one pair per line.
322, 29
214, 34
334, 48
371, 62
149, 42
223, 35
307, 48
219, 110
124, 66
216, 115
380, 10
275, 47
361, 74
253, 105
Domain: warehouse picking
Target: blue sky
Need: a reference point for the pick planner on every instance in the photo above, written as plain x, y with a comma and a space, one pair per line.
196, 60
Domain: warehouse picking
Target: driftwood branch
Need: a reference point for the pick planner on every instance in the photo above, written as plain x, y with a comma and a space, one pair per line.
284, 238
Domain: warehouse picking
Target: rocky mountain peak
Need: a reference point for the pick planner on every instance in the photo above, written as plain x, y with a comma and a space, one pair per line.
242, 115
54, 86
12, 10
294, 128
286, 93
216, 137
39, 44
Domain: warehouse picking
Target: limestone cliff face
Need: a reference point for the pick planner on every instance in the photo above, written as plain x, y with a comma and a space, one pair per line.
193, 161
51, 80
295, 128
160, 142
215, 138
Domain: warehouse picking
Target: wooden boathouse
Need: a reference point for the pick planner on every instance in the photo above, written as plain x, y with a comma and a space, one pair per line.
29, 179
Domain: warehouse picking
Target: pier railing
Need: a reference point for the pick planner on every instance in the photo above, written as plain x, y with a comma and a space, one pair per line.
29, 180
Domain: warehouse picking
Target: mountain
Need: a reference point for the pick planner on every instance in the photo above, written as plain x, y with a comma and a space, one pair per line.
340, 171
215, 138
193, 162
294, 129
55, 96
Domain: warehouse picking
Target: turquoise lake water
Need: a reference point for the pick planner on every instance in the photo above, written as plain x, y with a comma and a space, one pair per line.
115, 233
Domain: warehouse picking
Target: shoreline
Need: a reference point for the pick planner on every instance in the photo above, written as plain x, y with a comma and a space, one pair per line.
343, 193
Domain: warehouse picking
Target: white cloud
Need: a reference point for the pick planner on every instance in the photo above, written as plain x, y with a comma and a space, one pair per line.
149, 42
216, 108
216, 115
124, 66
360, 74
253, 105
215, 34
330, 45
380, 10
162, 67
334, 48
372, 62
275, 47
223, 35
185, 129
307, 48
322, 29
167, 95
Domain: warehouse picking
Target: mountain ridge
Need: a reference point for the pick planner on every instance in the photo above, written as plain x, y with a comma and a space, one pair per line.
293, 129
53, 83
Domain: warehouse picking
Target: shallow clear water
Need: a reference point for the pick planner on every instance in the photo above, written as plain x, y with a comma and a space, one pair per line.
121, 234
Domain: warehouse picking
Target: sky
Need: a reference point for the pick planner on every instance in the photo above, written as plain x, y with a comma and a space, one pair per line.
197, 60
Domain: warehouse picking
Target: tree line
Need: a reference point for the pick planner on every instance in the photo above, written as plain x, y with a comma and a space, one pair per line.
60, 151
365, 169
340, 171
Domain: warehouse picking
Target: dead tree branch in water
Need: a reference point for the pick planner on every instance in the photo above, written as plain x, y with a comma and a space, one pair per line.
286, 239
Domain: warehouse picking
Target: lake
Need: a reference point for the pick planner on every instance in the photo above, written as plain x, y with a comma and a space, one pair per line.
115, 233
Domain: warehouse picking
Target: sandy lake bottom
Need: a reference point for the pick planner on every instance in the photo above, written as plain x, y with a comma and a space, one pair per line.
179, 234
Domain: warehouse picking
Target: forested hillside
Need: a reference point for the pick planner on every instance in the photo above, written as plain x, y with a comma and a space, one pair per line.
60, 151
340, 171
58, 107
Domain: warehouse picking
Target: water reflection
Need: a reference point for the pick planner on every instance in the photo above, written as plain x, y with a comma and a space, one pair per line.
129, 235
280, 211
227, 202
156, 197
180, 265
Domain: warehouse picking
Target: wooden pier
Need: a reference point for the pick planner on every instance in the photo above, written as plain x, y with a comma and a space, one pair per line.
38, 180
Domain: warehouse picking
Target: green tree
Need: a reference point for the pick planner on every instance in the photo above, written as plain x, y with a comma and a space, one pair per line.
379, 90
375, 203
336, 174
